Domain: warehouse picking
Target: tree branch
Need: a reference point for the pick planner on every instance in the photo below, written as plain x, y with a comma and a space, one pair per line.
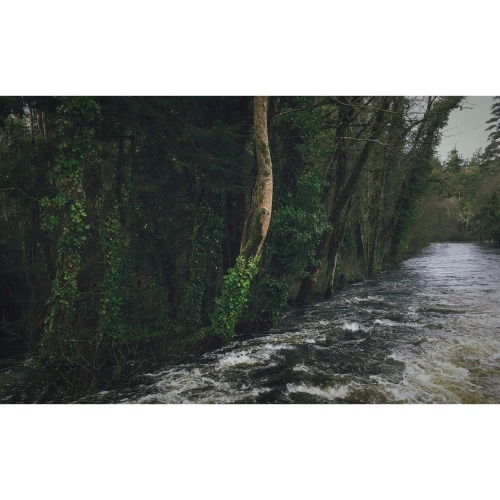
297, 110
365, 140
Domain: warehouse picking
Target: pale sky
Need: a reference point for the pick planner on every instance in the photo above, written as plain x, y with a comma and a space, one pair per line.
466, 127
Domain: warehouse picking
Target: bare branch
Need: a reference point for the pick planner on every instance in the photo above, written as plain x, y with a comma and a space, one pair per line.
21, 191
297, 110
364, 140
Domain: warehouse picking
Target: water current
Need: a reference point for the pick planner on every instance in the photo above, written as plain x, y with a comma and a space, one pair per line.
425, 332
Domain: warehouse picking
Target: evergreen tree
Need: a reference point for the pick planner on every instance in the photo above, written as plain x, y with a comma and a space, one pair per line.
492, 151
454, 161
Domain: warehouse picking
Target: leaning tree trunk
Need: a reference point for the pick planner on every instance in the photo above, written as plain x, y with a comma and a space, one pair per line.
259, 216
231, 302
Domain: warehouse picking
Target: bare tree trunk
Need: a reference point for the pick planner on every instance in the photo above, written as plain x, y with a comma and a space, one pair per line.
334, 249
274, 103
259, 216
32, 131
44, 127
40, 126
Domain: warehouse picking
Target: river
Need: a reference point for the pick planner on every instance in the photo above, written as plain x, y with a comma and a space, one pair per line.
425, 332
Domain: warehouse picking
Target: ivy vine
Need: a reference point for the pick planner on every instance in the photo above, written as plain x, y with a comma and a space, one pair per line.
231, 302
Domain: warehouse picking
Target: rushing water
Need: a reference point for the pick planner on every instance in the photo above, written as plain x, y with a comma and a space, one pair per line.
427, 332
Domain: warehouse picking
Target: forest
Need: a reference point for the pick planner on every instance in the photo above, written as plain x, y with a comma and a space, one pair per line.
135, 230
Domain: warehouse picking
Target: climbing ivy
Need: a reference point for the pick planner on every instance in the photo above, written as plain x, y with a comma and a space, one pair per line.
111, 323
204, 264
66, 216
230, 303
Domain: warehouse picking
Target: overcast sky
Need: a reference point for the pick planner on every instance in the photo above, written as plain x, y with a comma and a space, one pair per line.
466, 127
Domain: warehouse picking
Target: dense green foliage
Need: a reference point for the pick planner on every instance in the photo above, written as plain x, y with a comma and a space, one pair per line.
122, 218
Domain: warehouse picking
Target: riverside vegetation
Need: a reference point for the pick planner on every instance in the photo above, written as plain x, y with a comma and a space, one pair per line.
136, 229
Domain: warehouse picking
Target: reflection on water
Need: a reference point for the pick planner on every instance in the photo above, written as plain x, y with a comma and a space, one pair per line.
427, 332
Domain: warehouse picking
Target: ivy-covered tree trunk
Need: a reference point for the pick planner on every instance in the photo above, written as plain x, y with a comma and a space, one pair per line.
235, 291
204, 263
112, 241
66, 218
